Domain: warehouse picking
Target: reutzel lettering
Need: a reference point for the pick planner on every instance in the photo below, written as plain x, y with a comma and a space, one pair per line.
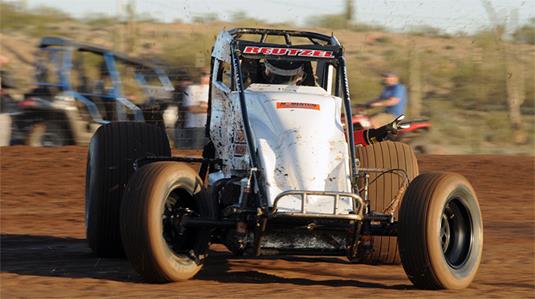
288, 52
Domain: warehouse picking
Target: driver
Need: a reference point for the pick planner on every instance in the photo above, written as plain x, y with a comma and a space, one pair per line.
284, 72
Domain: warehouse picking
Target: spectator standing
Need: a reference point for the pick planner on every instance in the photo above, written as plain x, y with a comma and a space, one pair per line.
195, 104
7, 103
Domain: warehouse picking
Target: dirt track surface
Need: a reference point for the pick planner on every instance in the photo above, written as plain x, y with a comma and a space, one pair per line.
44, 254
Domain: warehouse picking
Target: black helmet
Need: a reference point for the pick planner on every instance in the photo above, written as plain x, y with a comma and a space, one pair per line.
283, 71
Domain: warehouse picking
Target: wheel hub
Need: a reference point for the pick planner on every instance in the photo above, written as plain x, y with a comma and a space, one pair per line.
456, 233
173, 232
445, 233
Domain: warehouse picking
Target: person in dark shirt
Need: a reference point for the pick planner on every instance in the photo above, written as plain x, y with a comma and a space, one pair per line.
393, 98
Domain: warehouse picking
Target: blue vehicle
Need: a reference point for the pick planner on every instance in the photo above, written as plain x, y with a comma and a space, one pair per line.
80, 87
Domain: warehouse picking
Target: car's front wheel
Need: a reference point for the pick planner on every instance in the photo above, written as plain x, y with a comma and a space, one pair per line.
158, 198
440, 232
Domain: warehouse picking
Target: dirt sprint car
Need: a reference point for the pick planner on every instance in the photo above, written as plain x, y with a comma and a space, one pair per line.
280, 176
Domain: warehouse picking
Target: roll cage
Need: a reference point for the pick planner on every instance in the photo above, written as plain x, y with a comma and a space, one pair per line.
231, 46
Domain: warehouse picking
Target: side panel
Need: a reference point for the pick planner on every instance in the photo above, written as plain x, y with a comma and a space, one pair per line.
226, 132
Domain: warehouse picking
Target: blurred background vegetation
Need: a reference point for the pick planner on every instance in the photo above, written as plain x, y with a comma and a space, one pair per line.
468, 85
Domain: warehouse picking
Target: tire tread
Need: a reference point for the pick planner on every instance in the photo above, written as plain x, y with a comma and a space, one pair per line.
386, 154
114, 147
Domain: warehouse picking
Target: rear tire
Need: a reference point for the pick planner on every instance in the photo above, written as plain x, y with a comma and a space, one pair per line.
158, 247
387, 155
111, 154
440, 232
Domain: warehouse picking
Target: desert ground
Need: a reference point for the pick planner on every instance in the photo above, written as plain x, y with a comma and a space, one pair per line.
44, 253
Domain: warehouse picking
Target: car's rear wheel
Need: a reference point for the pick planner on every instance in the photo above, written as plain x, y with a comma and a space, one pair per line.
382, 191
158, 197
112, 152
440, 232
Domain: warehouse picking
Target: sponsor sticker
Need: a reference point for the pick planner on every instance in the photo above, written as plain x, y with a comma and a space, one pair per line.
296, 105
288, 52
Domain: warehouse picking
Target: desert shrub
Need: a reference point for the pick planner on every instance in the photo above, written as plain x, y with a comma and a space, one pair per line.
363, 27
34, 21
189, 51
526, 33
206, 18
99, 20
241, 18
335, 21
425, 30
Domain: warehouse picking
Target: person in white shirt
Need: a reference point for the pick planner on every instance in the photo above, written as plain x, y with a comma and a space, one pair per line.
196, 103
196, 108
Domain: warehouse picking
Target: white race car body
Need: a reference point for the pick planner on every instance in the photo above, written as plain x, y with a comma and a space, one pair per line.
300, 140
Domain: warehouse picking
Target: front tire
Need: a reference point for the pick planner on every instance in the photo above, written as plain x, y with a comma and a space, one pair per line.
158, 196
440, 232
